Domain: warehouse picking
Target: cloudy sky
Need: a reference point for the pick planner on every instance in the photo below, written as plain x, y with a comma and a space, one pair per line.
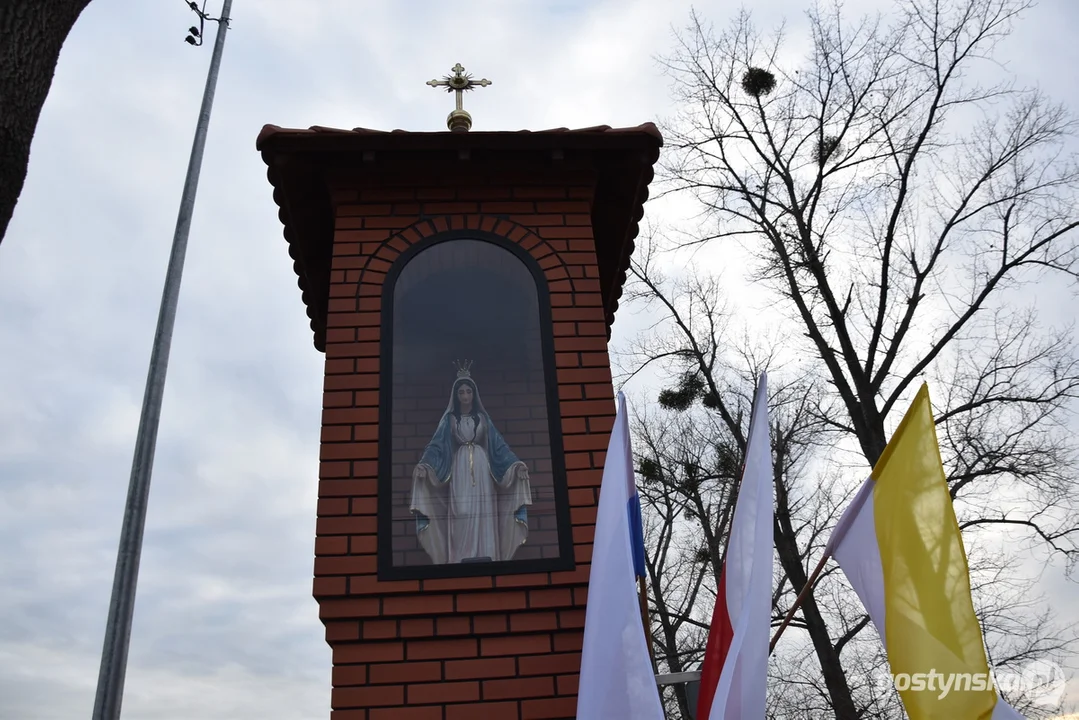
224, 625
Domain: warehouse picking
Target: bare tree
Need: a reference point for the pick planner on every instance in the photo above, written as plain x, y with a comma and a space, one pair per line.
33, 33
690, 458
689, 454
899, 210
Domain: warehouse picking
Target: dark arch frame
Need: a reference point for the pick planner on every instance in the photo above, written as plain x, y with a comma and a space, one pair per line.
565, 559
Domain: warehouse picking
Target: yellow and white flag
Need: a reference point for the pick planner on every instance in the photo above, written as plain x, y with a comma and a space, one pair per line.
900, 547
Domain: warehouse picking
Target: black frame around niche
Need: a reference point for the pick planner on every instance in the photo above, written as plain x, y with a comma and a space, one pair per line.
386, 568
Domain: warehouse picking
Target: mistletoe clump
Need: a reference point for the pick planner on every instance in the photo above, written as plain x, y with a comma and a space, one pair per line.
825, 149
689, 388
650, 470
758, 82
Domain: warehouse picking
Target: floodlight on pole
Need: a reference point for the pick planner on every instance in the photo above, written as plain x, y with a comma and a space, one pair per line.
110, 682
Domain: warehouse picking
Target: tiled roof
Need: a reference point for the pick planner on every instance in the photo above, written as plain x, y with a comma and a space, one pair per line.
298, 158
269, 131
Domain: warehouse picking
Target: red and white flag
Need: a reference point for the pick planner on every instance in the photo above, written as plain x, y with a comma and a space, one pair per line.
735, 669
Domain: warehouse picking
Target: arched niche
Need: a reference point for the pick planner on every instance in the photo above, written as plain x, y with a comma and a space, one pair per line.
475, 297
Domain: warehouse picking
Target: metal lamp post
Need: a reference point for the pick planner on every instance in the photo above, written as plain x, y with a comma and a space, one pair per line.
110, 682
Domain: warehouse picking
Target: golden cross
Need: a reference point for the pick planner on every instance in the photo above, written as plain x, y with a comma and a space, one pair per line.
459, 82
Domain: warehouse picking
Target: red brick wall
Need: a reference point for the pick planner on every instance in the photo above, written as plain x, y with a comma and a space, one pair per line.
448, 649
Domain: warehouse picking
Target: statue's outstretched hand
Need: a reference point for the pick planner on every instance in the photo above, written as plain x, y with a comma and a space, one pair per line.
421, 473
521, 473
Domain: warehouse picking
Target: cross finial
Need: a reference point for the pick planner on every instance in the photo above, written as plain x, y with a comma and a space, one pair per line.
459, 82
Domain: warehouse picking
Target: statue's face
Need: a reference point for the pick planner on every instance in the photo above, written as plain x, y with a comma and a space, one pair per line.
464, 395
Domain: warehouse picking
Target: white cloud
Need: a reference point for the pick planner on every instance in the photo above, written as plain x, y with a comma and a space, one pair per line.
225, 626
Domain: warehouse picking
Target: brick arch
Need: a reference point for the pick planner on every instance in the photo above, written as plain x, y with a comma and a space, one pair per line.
373, 272
523, 394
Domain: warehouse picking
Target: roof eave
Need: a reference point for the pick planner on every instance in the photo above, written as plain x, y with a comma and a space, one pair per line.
296, 160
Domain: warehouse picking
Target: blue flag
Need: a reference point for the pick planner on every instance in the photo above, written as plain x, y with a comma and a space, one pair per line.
617, 681
636, 532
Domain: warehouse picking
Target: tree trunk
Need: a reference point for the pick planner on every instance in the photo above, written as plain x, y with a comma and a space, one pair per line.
33, 32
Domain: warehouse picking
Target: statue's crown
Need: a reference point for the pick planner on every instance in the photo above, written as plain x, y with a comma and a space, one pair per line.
464, 369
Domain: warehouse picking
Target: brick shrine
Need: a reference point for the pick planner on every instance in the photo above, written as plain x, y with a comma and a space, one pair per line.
415, 641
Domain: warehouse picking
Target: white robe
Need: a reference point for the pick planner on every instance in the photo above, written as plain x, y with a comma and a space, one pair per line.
471, 513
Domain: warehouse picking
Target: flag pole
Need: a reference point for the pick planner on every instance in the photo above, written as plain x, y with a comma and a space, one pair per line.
840, 532
646, 620
110, 682
799, 600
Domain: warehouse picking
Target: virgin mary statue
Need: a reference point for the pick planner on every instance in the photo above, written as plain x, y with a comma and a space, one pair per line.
470, 493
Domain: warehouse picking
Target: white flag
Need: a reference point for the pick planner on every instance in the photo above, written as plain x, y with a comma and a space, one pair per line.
734, 675
617, 681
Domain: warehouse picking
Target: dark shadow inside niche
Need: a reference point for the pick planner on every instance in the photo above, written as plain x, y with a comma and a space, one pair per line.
469, 300
482, 316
